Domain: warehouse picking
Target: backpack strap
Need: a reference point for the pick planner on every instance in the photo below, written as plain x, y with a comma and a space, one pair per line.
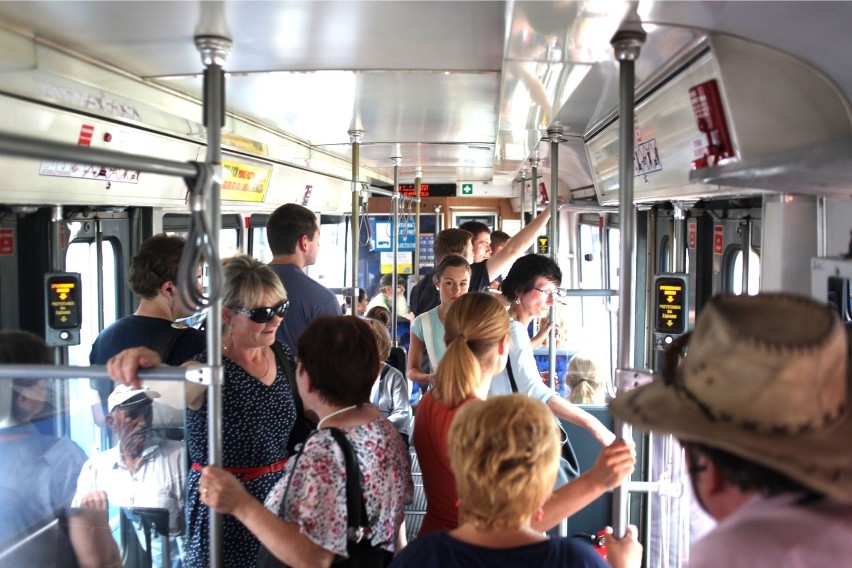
428, 339
355, 512
165, 341
511, 374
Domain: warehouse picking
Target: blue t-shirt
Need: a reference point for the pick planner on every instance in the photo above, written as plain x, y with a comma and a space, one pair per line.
308, 300
440, 550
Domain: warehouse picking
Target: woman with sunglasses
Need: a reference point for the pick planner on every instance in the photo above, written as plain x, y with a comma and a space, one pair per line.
258, 409
530, 288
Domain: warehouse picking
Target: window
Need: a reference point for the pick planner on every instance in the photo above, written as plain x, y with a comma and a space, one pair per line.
82, 257
733, 267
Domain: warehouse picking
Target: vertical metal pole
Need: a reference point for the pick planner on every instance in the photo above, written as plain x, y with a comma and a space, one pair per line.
677, 249
396, 159
747, 237
99, 271
417, 180
533, 189
214, 51
57, 264
627, 44
355, 137
554, 134
521, 179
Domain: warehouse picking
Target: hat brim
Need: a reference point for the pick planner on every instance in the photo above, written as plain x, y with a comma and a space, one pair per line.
821, 460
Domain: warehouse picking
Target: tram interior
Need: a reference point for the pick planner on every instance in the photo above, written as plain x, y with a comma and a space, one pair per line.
741, 177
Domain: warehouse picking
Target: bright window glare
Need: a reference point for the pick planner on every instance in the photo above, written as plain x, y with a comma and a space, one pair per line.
753, 273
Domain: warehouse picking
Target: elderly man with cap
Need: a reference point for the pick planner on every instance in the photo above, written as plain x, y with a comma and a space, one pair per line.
384, 299
760, 403
143, 470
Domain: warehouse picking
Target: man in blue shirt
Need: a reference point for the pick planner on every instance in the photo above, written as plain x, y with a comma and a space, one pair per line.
293, 236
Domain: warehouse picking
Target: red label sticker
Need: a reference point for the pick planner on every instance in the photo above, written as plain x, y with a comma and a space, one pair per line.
691, 230
7, 242
86, 132
718, 239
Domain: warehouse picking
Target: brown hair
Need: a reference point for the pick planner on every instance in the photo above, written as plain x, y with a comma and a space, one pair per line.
286, 226
450, 241
340, 356
156, 262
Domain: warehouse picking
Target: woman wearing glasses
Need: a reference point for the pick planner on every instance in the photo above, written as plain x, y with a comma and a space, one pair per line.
531, 287
258, 409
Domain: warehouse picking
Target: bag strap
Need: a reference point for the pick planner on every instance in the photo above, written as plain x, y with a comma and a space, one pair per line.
355, 511
284, 361
165, 341
428, 339
511, 374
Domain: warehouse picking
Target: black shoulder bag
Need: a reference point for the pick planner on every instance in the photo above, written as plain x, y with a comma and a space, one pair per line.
361, 553
568, 463
303, 426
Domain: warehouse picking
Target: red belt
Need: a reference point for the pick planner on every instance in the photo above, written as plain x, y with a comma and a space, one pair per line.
246, 474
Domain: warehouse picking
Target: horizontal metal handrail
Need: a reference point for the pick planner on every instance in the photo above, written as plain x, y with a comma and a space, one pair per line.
39, 149
162, 373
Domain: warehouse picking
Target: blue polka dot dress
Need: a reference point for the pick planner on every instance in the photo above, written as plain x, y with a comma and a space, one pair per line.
256, 424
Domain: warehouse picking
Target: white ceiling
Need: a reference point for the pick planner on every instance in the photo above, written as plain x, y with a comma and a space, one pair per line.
467, 88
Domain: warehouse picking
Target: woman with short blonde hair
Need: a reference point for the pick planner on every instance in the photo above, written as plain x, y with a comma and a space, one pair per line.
504, 453
504, 477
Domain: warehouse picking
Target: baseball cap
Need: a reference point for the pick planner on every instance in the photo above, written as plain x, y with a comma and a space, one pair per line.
124, 393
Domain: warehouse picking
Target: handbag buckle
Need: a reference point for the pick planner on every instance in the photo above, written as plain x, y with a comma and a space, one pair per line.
355, 534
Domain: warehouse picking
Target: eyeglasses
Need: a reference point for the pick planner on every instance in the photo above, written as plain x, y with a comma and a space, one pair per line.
556, 292
263, 315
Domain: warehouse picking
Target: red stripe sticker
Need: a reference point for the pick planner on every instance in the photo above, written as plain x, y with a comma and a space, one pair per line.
86, 132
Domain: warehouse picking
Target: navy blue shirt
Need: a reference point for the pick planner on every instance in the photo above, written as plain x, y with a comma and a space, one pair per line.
308, 300
143, 331
440, 550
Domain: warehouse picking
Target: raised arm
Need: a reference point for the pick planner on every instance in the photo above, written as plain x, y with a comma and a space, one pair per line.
124, 368
576, 415
612, 468
502, 260
223, 492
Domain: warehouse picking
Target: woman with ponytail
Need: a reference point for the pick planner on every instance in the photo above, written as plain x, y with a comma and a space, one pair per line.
476, 335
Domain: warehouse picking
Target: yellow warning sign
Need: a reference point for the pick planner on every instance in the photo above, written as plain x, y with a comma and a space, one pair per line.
543, 245
244, 182
671, 312
244, 144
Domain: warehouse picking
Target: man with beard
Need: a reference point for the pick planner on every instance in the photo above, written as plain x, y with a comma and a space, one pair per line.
143, 470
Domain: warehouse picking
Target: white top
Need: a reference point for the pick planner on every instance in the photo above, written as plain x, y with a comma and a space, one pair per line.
524, 368
390, 394
158, 481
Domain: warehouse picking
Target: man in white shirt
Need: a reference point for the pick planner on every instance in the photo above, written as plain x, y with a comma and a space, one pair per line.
761, 405
143, 470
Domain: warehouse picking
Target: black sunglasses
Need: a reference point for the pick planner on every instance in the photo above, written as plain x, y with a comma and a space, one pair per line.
263, 315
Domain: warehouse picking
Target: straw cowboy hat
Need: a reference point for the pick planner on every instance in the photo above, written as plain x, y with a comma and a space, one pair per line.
765, 378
